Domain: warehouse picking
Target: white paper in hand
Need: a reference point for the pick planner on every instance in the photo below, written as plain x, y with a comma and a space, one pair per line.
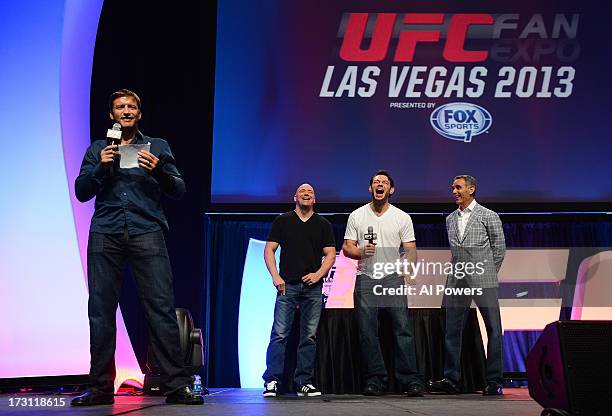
129, 154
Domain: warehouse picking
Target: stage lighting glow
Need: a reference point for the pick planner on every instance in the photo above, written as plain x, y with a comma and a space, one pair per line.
257, 297
47, 53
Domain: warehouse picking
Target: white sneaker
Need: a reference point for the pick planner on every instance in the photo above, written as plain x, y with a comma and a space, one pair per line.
308, 390
271, 389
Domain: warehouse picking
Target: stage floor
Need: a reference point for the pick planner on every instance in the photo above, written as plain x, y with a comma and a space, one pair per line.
249, 402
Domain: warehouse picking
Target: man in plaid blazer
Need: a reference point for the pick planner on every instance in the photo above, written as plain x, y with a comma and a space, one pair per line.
476, 238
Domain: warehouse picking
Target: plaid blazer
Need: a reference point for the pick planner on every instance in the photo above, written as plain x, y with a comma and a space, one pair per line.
482, 244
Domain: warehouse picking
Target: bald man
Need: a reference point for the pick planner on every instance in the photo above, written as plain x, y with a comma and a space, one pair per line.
305, 238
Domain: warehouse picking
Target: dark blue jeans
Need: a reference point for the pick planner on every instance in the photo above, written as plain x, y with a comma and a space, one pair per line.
367, 306
309, 299
146, 254
456, 313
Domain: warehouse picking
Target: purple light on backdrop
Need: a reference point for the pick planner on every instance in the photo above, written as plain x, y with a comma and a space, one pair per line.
45, 71
43, 313
79, 36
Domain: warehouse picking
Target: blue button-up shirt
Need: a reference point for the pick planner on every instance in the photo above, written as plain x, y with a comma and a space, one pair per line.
128, 197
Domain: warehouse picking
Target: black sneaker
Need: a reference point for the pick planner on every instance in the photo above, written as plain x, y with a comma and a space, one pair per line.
415, 390
444, 386
373, 390
308, 390
93, 398
271, 389
493, 389
184, 395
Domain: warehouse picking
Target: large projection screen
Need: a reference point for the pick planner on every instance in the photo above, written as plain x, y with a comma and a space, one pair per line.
515, 94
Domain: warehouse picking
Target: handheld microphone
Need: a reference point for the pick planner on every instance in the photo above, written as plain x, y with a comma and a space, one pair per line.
370, 236
113, 136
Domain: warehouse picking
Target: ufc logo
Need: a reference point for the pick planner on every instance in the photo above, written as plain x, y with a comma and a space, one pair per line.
378, 49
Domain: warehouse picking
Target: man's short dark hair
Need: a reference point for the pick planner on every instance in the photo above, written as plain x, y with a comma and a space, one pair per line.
469, 181
122, 93
382, 172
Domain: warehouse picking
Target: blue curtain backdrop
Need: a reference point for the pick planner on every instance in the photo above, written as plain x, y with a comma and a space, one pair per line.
226, 240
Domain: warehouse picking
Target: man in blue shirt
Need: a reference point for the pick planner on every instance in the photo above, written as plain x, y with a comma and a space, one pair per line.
127, 227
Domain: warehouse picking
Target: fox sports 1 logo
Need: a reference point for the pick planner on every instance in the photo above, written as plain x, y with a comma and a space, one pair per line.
460, 121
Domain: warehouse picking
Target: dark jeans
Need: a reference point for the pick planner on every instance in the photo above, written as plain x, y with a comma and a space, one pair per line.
457, 308
367, 307
146, 254
309, 299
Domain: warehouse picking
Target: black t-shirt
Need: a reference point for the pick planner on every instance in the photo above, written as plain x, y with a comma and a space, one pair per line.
301, 243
